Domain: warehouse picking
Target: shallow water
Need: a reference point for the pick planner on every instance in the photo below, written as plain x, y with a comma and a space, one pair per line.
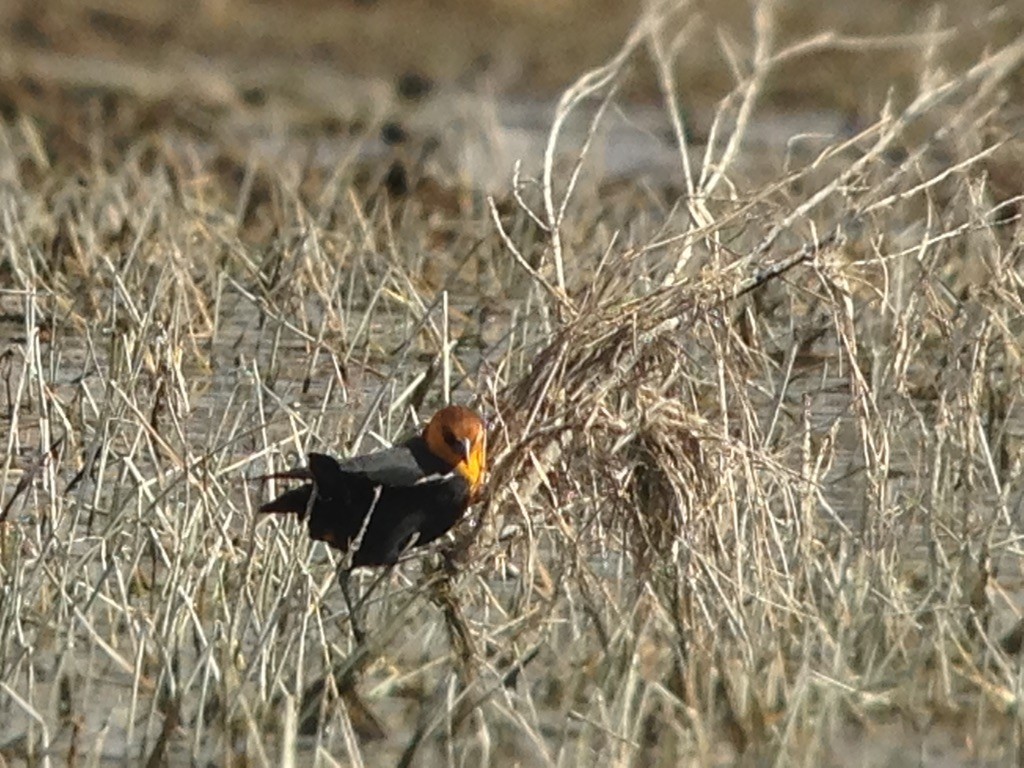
254, 386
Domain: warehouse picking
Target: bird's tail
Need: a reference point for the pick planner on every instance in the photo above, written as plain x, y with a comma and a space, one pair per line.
293, 502
326, 475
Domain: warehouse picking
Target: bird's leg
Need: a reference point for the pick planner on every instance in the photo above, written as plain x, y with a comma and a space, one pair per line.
388, 570
348, 563
344, 573
384, 574
374, 584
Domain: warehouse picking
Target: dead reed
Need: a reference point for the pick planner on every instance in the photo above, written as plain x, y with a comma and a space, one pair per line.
757, 444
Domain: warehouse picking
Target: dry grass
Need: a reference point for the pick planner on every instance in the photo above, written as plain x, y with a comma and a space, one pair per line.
757, 445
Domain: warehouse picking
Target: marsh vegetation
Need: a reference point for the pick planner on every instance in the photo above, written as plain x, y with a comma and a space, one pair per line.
756, 419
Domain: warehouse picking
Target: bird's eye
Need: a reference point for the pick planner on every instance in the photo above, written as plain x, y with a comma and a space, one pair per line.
449, 437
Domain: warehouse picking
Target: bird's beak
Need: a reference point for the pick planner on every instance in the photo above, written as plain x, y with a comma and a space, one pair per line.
465, 447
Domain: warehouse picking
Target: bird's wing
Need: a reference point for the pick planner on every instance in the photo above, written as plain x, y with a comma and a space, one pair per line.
402, 466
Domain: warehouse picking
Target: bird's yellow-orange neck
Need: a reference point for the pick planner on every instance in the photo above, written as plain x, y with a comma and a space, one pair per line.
474, 466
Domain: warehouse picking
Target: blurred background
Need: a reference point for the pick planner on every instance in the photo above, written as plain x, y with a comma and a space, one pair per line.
319, 67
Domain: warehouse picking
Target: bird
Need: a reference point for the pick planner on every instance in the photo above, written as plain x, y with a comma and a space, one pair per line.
378, 505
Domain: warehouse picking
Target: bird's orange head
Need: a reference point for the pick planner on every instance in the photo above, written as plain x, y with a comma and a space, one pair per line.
458, 436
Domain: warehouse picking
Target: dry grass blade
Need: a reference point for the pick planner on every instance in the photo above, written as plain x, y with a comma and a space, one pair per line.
757, 415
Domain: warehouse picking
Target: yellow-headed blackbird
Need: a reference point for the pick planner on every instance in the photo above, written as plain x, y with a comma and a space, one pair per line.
388, 501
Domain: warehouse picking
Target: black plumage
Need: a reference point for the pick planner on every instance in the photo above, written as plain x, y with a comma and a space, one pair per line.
391, 500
